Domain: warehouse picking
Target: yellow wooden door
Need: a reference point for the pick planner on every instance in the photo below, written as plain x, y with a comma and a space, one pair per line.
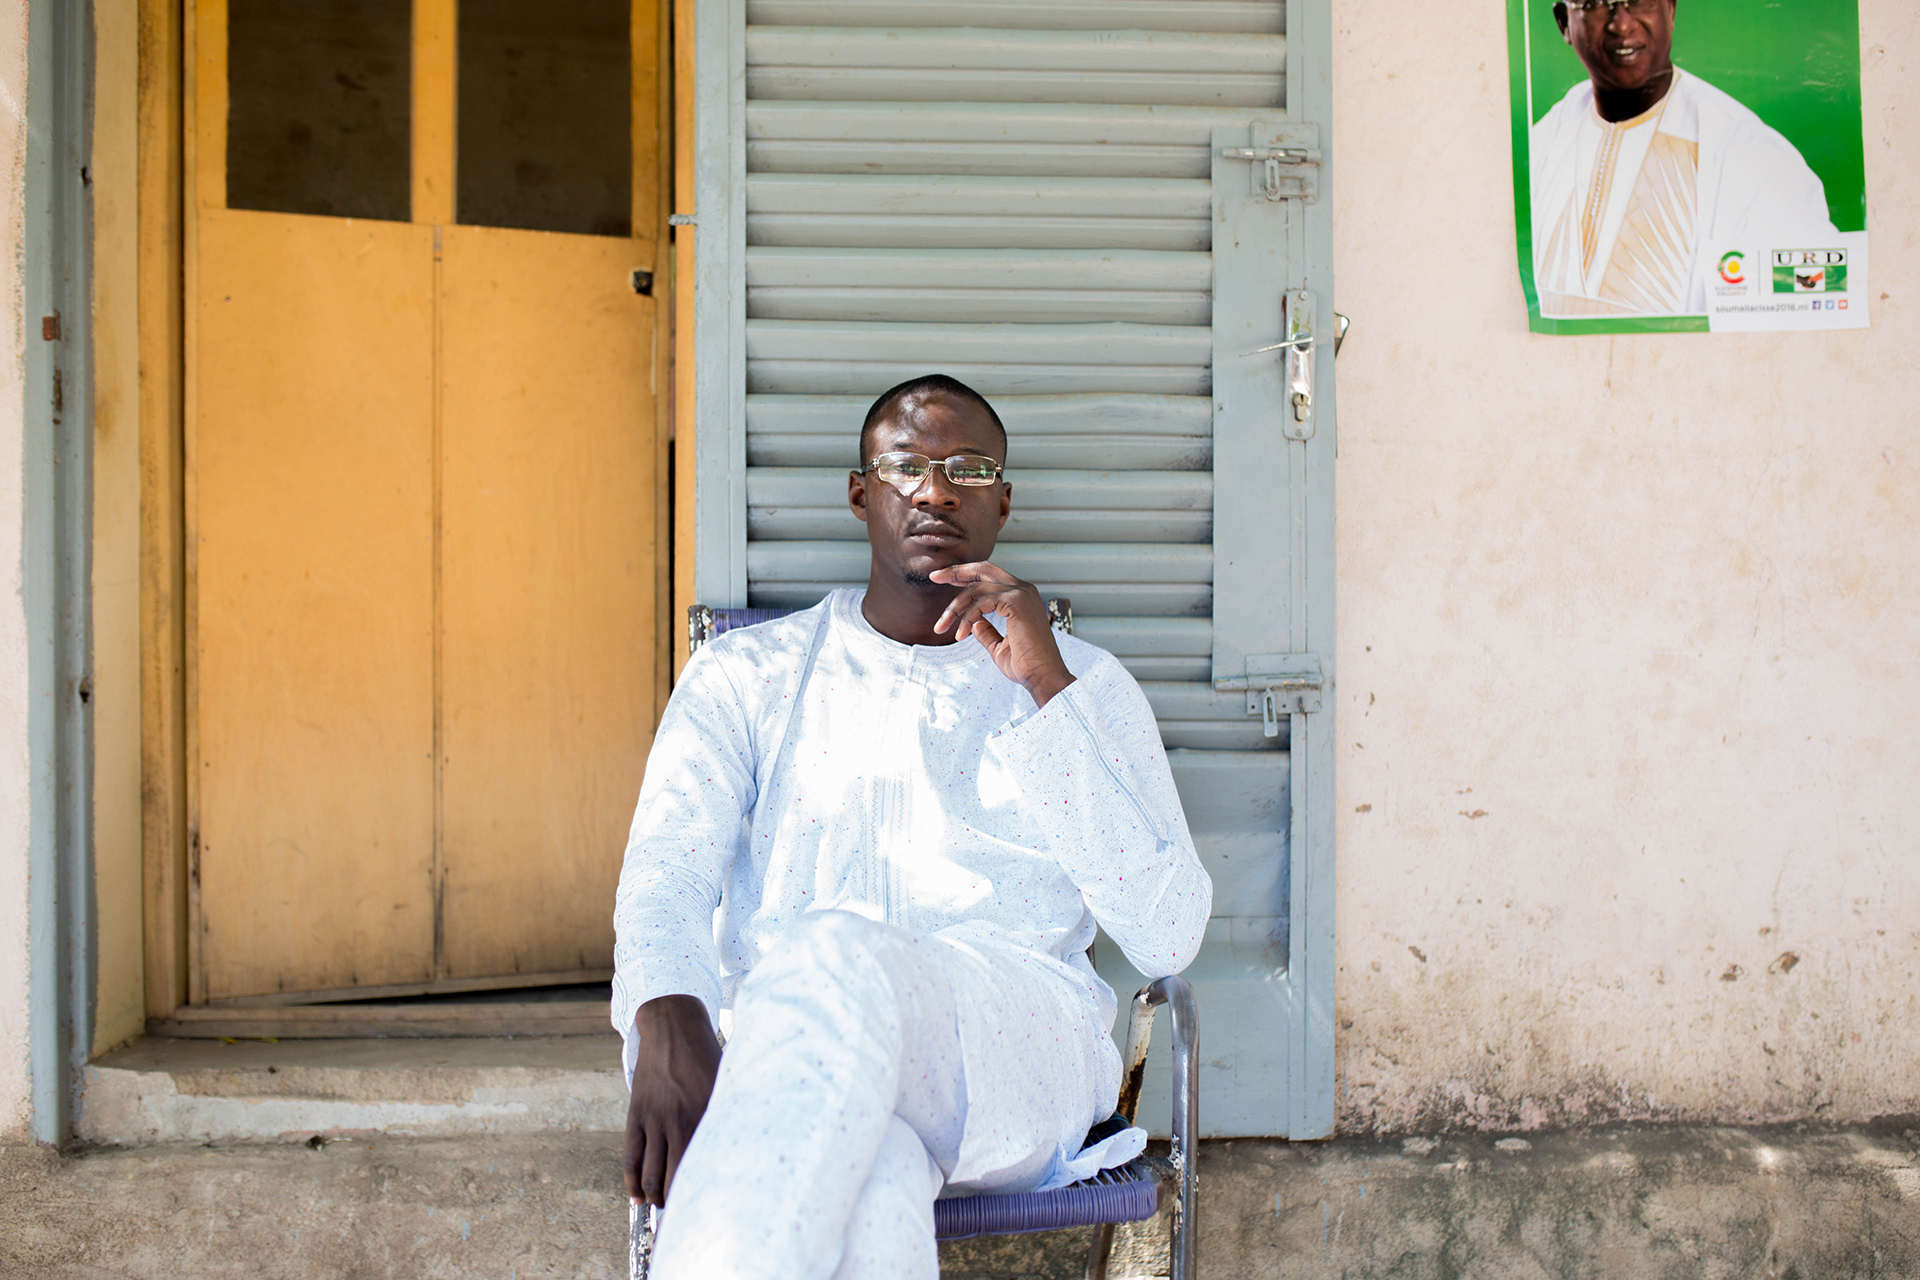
424, 488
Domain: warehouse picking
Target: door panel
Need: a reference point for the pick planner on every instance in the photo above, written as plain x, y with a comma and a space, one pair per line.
314, 534
549, 558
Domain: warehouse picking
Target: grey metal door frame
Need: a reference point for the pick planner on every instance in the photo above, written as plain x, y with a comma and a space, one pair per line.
1295, 476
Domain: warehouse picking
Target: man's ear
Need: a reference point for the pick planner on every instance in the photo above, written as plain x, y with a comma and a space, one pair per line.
857, 495
1560, 17
1006, 502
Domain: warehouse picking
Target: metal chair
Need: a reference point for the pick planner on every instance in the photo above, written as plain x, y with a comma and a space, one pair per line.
704, 623
1131, 1193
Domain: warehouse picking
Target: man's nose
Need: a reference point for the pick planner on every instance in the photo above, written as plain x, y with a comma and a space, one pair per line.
936, 490
1618, 19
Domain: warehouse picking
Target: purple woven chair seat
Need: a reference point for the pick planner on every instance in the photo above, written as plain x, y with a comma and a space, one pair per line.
725, 620
1111, 1197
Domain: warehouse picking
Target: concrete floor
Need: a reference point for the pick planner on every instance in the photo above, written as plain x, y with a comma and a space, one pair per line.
1674, 1203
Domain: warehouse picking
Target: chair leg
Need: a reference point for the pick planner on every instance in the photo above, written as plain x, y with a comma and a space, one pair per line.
641, 1224
1139, 1037
1186, 1117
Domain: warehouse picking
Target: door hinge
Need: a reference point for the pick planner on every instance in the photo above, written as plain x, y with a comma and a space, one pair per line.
1277, 684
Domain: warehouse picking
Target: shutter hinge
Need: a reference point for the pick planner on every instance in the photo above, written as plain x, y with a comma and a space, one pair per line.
1277, 684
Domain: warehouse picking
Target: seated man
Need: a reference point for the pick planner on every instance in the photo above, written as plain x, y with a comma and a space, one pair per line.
917, 822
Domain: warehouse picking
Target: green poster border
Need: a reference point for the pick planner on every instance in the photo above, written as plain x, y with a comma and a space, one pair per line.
1520, 117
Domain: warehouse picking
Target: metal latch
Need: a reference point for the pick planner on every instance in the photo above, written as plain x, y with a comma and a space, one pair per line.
1271, 159
1277, 684
1286, 160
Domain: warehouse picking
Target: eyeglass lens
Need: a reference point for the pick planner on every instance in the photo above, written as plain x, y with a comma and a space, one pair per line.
905, 471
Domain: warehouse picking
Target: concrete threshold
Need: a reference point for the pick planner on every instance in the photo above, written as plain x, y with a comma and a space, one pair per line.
160, 1091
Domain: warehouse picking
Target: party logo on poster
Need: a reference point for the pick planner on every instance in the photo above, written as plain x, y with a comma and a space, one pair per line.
1809, 270
1733, 267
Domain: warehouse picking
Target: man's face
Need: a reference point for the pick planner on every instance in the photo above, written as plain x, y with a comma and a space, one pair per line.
1623, 47
940, 523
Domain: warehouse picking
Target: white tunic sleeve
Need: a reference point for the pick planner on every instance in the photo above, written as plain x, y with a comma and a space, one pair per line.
1095, 781
700, 784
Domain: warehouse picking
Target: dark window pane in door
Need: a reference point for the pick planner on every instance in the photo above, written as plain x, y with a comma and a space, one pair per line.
319, 109
546, 115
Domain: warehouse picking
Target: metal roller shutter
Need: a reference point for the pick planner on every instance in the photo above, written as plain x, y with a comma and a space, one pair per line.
1019, 195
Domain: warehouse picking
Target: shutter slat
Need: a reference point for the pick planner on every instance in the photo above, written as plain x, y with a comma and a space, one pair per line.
1145, 453
931, 126
979, 286
801, 523
1037, 490
966, 306
1093, 270
882, 84
966, 231
1140, 599
976, 196
1118, 344
1192, 55
1039, 159
1055, 563
1136, 637
1190, 417
814, 377
1056, 15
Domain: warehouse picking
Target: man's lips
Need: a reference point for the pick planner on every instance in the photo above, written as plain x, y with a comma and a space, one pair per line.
938, 532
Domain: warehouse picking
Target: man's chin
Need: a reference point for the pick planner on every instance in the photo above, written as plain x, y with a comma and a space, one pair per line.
919, 569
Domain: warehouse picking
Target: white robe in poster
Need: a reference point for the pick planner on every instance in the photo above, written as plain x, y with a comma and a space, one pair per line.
1632, 217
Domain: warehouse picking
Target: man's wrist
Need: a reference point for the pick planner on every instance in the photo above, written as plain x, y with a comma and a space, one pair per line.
1044, 689
673, 1008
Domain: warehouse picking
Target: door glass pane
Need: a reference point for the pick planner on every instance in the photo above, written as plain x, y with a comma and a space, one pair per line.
319, 114
546, 115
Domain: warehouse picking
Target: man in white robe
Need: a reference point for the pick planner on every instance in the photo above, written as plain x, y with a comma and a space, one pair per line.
1644, 175
873, 843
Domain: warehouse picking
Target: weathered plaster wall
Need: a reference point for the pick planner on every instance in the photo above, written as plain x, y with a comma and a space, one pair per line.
1629, 823
13, 624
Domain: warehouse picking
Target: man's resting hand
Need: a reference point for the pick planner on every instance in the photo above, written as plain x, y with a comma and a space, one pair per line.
672, 1081
1027, 654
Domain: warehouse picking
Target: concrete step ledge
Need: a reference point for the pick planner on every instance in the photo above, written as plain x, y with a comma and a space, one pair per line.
1680, 1203
159, 1091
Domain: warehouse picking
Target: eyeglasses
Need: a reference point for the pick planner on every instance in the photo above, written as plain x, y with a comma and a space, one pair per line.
1638, 8
907, 471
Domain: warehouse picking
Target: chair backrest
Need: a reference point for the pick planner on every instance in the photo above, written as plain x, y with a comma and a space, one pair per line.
704, 622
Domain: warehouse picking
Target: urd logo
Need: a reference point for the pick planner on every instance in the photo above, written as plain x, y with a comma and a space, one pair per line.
1809, 270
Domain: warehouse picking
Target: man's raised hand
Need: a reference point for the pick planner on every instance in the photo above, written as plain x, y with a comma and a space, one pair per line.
1027, 654
672, 1082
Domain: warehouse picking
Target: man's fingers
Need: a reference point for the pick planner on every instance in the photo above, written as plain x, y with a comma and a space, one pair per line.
977, 571
631, 1160
653, 1173
674, 1151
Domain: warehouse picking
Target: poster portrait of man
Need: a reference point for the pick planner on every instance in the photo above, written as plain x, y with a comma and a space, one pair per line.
1644, 175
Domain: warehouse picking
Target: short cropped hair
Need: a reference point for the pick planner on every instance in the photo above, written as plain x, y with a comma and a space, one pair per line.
927, 384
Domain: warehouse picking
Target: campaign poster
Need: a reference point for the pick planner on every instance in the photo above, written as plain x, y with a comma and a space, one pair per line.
1688, 166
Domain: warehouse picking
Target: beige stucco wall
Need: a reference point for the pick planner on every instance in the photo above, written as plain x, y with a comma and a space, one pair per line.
1629, 813
13, 625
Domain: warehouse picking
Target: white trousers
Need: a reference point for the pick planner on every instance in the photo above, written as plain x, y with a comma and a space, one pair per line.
868, 1068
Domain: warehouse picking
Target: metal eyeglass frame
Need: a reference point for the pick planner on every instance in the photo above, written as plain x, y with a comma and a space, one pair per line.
999, 469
